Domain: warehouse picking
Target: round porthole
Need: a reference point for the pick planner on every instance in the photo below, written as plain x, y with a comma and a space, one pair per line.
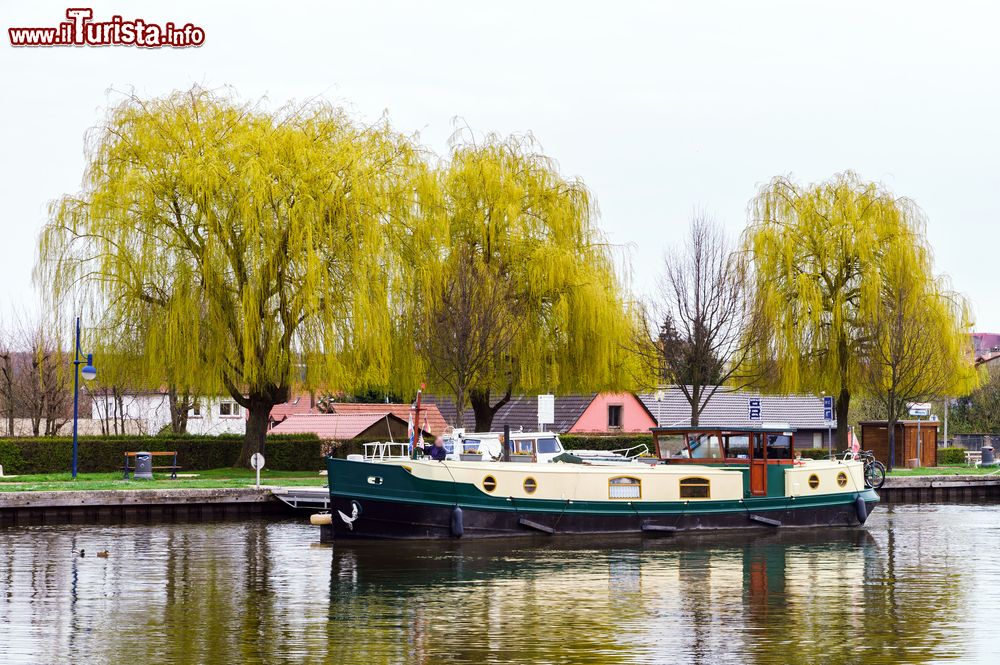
814, 481
530, 485
842, 479
489, 483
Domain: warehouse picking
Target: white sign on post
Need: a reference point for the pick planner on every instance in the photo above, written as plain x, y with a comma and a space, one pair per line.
920, 409
546, 410
257, 463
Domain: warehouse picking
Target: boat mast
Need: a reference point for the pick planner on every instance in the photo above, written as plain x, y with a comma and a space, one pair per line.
416, 423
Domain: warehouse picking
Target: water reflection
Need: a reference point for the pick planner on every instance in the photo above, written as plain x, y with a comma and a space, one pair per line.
907, 589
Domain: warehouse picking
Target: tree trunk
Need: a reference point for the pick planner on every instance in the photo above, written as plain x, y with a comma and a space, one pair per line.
253, 442
695, 404
258, 406
460, 408
480, 399
843, 407
179, 407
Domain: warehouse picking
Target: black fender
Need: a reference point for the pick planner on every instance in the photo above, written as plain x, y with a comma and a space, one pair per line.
457, 528
861, 509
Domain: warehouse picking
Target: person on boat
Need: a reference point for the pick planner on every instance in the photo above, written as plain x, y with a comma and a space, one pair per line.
437, 451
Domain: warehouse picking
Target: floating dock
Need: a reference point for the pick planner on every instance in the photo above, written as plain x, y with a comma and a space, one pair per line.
938, 489
145, 505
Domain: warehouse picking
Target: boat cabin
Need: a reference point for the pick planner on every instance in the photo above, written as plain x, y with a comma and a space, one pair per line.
763, 451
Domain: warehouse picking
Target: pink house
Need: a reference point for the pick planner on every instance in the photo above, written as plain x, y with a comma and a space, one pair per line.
610, 413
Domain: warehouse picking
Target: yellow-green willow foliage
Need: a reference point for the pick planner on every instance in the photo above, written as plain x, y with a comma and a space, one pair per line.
249, 246
556, 314
824, 256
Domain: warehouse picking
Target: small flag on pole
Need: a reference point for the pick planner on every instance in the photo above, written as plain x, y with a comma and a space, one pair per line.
409, 431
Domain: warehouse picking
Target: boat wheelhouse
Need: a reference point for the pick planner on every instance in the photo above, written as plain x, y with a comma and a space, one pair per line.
700, 478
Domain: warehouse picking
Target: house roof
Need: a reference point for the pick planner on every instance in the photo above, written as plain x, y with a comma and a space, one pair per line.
431, 420
297, 404
331, 425
521, 412
729, 408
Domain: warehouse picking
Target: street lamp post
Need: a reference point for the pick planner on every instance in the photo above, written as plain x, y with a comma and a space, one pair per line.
88, 373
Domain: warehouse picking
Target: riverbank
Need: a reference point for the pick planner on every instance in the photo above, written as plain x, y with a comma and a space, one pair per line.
207, 479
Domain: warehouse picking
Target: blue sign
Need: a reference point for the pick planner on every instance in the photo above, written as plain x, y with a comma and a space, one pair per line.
754, 408
828, 403
827, 414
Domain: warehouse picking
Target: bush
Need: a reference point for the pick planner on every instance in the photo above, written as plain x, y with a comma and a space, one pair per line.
606, 442
951, 456
292, 452
814, 453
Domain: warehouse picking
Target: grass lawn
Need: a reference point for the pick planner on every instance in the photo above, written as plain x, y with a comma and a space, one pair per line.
958, 470
234, 477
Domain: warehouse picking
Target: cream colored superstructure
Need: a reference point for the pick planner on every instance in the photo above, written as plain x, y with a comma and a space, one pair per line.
661, 482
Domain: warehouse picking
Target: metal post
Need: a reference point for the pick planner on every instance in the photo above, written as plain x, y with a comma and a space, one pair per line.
76, 392
920, 456
945, 423
829, 438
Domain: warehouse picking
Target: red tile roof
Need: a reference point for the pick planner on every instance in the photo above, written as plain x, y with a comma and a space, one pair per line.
297, 404
329, 425
431, 420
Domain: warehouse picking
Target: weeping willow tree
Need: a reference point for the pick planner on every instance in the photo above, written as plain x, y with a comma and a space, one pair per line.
518, 291
823, 256
253, 240
922, 349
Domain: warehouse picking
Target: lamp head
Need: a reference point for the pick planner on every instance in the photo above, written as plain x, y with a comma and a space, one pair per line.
89, 372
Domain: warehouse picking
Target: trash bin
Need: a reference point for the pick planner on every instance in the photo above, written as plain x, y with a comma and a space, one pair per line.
988, 458
143, 466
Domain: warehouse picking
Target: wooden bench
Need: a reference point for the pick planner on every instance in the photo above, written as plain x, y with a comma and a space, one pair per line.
973, 457
173, 468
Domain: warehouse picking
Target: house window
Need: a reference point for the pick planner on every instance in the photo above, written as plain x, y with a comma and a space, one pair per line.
624, 487
229, 409
195, 411
695, 488
614, 416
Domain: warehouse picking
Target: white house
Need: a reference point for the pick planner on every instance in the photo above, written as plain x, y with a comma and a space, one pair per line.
148, 413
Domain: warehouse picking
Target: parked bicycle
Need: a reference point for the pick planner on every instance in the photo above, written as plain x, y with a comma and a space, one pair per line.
874, 470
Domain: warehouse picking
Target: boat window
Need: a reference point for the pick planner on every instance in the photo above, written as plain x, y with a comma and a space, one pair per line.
624, 487
470, 445
814, 481
523, 446
842, 479
449, 446
779, 446
489, 483
672, 445
695, 488
737, 446
549, 445
704, 446
530, 485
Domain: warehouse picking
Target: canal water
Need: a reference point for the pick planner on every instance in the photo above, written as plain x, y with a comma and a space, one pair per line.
920, 584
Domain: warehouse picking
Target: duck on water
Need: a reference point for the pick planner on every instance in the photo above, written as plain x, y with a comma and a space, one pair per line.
696, 479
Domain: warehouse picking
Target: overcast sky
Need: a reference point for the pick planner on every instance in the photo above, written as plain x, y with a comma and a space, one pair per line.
663, 109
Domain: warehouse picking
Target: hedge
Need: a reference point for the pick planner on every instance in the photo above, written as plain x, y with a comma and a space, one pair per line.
291, 452
951, 456
606, 442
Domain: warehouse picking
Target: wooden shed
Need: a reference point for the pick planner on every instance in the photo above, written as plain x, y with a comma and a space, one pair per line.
875, 437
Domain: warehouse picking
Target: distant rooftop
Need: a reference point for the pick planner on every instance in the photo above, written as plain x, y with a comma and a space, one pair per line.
729, 408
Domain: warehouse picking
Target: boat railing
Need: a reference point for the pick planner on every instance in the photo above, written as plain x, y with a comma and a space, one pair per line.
631, 453
379, 451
